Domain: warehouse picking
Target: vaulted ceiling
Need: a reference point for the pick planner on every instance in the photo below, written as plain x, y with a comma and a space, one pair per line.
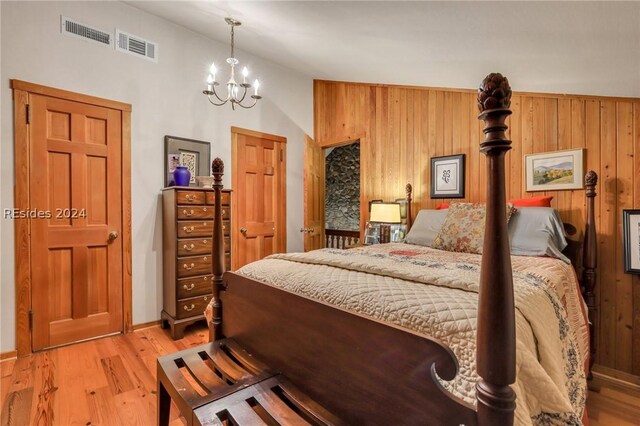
571, 47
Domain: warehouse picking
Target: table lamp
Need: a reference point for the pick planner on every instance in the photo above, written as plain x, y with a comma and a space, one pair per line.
385, 214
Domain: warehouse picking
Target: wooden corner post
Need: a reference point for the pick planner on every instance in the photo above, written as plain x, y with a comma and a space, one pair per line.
590, 261
409, 190
496, 338
215, 327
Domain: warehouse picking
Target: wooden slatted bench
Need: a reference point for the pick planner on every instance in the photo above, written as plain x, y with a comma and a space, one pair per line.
219, 383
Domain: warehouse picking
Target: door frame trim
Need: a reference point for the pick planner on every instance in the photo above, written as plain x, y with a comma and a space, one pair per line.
362, 140
22, 245
282, 222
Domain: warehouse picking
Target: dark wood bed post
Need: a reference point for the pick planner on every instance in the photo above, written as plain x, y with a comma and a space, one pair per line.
590, 261
409, 190
496, 338
215, 327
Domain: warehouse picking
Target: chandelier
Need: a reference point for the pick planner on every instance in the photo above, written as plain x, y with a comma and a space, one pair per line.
233, 88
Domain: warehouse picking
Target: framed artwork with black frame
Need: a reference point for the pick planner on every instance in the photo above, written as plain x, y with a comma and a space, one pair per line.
631, 237
193, 154
447, 176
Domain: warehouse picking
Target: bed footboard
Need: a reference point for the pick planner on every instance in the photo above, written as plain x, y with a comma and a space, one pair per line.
362, 371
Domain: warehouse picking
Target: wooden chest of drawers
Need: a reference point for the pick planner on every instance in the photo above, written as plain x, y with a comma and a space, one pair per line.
187, 242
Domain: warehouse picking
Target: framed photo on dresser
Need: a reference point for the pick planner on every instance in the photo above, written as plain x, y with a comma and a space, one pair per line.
194, 155
631, 237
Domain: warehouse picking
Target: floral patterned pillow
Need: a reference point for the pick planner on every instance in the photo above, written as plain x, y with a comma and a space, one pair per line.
463, 228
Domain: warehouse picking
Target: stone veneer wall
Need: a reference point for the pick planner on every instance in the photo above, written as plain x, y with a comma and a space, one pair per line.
342, 201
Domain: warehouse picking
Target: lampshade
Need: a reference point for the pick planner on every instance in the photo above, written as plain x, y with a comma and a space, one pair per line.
385, 212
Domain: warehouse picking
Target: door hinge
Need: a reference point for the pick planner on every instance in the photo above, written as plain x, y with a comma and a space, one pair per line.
28, 114
30, 320
281, 154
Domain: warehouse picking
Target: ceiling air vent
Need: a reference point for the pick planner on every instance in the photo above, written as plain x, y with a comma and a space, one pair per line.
86, 32
137, 46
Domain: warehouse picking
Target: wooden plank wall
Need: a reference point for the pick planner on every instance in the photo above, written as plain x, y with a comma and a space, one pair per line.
401, 128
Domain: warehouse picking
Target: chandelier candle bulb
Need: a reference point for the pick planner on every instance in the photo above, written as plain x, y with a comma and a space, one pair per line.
245, 73
256, 84
210, 80
213, 70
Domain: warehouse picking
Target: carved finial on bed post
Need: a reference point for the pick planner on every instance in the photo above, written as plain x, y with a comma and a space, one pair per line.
590, 261
215, 328
496, 344
409, 190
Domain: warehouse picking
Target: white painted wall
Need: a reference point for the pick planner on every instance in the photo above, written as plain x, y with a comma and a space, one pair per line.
166, 99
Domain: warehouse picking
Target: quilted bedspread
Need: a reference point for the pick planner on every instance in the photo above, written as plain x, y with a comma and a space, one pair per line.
435, 293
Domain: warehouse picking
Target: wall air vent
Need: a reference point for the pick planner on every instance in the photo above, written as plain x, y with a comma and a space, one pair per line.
137, 46
76, 29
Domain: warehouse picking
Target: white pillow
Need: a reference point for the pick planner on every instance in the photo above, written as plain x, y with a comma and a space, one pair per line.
426, 226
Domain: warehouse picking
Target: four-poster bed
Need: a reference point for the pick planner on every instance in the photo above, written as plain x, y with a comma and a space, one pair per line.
365, 368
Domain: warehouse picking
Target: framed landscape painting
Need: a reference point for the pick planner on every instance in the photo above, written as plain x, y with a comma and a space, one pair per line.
554, 171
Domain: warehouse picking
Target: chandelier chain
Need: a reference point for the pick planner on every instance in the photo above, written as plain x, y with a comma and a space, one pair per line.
232, 39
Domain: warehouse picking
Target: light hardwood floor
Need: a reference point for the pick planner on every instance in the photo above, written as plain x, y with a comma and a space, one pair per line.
111, 381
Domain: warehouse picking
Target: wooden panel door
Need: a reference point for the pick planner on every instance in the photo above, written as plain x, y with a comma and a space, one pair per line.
314, 181
76, 263
259, 187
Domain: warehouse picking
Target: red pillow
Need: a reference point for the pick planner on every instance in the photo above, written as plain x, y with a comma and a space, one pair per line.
533, 202
442, 206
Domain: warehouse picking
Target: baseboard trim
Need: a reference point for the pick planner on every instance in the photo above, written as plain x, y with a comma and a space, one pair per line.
144, 325
616, 379
8, 355
14, 354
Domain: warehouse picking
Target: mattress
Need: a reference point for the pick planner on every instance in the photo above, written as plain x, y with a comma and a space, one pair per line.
435, 293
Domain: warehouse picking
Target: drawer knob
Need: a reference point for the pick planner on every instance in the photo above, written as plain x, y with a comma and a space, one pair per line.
224, 212
188, 229
190, 287
204, 209
187, 267
188, 213
204, 241
189, 309
205, 258
204, 223
188, 247
206, 298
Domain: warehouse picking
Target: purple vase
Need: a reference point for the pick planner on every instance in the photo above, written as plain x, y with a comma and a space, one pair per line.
181, 176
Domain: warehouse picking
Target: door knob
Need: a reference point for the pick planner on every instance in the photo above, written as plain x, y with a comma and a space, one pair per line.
112, 236
243, 230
